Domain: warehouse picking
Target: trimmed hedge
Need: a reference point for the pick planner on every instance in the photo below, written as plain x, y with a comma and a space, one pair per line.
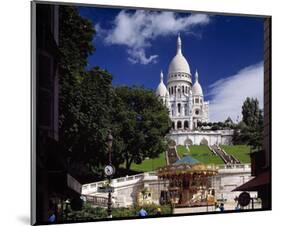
91, 213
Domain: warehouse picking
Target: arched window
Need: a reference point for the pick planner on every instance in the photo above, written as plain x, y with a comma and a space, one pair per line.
186, 89
204, 141
182, 89
175, 89
169, 91
185, 126
179, 124
172, 90
179, 108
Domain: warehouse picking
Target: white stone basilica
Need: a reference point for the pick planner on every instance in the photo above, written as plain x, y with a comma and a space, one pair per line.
185, 101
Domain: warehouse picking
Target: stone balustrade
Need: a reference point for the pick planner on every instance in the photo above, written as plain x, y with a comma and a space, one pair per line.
119, 182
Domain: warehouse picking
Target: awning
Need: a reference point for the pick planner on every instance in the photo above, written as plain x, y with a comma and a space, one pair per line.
256, 183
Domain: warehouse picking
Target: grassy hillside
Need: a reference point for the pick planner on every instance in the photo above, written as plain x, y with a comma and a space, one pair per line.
200, 152
241, 152
150, 164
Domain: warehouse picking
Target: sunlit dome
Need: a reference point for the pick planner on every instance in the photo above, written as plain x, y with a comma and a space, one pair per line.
161, 89
179, 63
196, 88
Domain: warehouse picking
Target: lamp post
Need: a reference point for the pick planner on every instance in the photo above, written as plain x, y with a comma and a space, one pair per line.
109, 172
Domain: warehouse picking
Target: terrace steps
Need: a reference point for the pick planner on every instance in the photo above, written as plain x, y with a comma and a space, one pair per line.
227, 159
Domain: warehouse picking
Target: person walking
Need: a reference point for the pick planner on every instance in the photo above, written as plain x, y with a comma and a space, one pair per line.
142, 212
222, 207
217, 208
158, 211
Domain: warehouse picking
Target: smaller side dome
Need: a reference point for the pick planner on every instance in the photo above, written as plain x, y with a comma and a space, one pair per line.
196, 88
161, 89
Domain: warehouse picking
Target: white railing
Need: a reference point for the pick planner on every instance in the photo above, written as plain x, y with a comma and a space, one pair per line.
93, 187
234, 166
214, 132
129, 180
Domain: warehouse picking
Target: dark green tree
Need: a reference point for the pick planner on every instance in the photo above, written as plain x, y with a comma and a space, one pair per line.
251, 112
82, 97
89, 106
141, 124
249, 131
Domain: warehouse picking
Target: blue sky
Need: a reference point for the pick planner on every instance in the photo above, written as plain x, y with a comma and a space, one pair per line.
227, 51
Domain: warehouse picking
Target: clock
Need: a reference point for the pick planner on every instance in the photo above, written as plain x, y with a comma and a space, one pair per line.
109, 170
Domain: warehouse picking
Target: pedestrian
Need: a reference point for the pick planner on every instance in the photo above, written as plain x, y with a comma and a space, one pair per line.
222, 207
142, 212
52, 212
158, 211
217, 208
237, 207
52, 218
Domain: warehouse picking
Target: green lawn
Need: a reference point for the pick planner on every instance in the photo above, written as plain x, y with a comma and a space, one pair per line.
200, 152
150, 164
241, 152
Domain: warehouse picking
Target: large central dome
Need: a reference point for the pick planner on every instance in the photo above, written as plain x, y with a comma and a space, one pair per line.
179, 63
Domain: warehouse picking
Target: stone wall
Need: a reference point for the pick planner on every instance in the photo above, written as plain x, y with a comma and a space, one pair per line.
202, 137
127, 188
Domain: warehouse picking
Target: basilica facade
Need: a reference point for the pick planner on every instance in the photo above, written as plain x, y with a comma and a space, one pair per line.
183, 96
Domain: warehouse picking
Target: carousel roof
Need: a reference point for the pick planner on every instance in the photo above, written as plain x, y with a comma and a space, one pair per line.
187, 160
186, 166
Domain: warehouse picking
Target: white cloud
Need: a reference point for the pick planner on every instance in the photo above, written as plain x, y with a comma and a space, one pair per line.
229, 94
137, 30
138, 56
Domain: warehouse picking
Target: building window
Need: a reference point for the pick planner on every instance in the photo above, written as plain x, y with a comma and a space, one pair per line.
185, 109
179, 124
169, 91
197, 101
173, 125
172, 90
186, 89
182, 89
196, 112
175, 89
179, 108
201, 101
185, 125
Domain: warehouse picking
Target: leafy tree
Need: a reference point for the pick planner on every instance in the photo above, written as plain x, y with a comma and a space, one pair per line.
90, 106
82, 96
204, 124
251, 112
249, 131
140, 125
89, 122
228, 121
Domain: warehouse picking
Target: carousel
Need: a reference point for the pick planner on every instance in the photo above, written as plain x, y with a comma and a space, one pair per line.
188, 183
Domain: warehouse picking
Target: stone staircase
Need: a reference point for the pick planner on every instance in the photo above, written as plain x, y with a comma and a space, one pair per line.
172, 155
227, 159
